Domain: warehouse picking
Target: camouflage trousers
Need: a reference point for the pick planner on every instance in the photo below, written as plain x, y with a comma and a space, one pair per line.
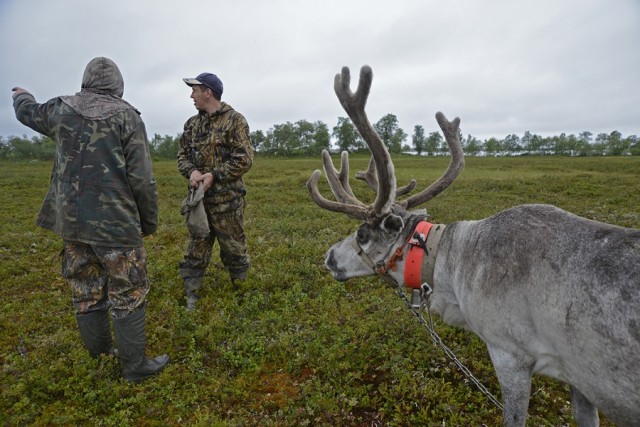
104, 277
228, 229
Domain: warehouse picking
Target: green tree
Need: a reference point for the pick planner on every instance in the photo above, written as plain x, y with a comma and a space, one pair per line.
585, 137
419, 140
258, 139
4, 148
21, 148
154, 142
573, 143
433, 142
38, 147
634, 145
322, 139
165, 147
536, 144
305, 138
601, 144
443, 148
511, 144
282, 139
525, 142
390, 132
492, 146
565, 145
347, 135
616, 145
299, 138
472, 146
559, 144
583, 144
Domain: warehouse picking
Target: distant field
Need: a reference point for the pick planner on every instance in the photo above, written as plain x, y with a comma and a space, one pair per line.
292, 347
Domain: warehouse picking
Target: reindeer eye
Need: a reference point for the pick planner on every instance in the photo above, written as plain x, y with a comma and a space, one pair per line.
362, 234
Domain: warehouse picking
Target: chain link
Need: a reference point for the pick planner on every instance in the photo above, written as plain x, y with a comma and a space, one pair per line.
417, 311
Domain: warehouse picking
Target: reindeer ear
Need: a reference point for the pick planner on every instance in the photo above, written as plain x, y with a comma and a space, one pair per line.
392, 223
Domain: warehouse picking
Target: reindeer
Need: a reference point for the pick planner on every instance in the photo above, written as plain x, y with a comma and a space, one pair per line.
549, 292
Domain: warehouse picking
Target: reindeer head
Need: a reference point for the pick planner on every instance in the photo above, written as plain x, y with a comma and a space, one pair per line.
386, 221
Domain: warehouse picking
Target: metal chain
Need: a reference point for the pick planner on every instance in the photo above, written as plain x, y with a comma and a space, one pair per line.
437, 340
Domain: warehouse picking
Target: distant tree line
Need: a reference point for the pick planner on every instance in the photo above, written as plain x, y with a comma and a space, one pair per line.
304, 138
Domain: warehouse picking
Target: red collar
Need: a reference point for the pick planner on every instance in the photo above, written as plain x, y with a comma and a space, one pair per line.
415, 255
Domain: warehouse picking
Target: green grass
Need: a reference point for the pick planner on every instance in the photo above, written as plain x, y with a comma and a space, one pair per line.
292, 347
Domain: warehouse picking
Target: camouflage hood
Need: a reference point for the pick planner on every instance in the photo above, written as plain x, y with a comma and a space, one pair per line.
101, 92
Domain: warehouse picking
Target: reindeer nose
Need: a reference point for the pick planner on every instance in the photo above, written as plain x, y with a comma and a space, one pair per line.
331, 264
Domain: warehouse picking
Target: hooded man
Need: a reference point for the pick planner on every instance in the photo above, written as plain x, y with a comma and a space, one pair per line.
101, 201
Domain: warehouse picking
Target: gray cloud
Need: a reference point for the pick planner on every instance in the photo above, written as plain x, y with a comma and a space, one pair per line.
502, 66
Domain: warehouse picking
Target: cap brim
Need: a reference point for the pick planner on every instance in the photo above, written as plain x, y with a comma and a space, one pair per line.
192, 81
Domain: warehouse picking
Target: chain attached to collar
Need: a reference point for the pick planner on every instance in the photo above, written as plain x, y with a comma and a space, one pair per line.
428, 325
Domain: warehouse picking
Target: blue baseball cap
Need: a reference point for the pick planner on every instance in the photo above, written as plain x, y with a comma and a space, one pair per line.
206, 79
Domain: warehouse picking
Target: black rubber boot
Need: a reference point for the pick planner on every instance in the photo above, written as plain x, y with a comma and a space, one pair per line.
191, 286
131, 340
95, 331
237, 277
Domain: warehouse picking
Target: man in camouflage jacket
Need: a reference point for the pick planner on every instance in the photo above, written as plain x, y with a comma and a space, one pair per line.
102, 200
215, 151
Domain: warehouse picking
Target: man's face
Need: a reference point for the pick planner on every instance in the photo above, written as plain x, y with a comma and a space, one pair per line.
199, 96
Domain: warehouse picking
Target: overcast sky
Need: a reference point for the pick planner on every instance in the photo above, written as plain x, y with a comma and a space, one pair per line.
503, 66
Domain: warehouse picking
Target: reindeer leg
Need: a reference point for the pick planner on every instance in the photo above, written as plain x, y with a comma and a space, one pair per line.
584, 413
514, 375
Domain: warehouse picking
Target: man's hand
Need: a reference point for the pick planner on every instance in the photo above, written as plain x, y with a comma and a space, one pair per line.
194, 179
197, 178
17, 91
207, 180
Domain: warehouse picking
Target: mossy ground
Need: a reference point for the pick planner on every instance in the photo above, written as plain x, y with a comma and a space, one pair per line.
291, 346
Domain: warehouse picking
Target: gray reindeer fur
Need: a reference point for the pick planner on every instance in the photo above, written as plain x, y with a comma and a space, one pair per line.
550, 293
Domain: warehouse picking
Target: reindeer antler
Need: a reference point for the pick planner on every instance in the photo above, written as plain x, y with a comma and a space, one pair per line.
339, 180
451, 135
369, 176
380, 175
353, 104
346, 203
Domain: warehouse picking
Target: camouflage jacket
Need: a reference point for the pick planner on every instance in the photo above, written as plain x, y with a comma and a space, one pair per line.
102, 188
218, 143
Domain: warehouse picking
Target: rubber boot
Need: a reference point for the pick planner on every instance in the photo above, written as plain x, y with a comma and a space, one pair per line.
191, 286
131, 340
95, 331
237, 277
